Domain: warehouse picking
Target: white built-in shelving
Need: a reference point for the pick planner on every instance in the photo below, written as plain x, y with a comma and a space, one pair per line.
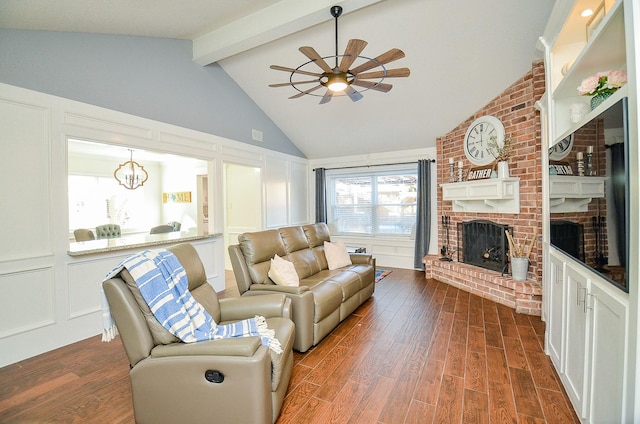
605, 50
588, 323
569, 193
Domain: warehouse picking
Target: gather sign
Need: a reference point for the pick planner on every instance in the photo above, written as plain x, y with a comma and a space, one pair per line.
480, 173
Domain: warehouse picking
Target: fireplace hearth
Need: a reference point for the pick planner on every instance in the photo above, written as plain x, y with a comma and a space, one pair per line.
483, 243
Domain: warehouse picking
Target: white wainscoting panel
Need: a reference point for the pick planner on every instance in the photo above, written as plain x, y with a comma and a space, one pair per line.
189, 145
112, 127
25, 172
394, 254
299, 194
27, 301
210, 250
245, 157
275, 178
85, 283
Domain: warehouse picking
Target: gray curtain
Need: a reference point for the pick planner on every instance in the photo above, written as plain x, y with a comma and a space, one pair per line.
423, 213
618, 187
321, 195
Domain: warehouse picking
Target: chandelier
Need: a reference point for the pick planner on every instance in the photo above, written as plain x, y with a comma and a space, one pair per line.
131, 174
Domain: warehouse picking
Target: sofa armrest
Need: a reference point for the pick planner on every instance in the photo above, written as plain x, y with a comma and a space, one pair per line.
239, 346
238, 308
240, 270
302, 311
279, 289
361, 258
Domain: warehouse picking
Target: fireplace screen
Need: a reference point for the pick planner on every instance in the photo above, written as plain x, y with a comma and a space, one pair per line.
484, 244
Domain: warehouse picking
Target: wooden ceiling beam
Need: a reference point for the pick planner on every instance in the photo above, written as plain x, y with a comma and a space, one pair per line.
279, 20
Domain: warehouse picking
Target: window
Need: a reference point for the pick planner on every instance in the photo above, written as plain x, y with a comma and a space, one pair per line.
95, 201
372, 203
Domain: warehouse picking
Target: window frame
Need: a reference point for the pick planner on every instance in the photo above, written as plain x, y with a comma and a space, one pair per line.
383, 170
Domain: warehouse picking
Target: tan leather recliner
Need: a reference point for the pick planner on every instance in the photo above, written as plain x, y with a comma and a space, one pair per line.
223, 381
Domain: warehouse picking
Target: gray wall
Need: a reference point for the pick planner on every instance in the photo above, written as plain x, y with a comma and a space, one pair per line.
153, 78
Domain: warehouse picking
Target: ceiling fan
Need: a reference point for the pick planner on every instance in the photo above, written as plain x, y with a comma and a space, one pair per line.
341, 79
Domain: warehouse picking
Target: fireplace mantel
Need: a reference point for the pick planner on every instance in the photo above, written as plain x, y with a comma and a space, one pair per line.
493, 195
574, 193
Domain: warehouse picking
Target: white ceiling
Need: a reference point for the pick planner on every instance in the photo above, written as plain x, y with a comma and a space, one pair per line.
461, 55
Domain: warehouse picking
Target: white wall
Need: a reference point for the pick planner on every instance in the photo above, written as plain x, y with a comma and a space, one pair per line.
180, 176
392, 251
48, 298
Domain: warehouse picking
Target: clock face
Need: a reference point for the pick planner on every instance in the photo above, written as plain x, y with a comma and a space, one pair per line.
478, 140
561, 149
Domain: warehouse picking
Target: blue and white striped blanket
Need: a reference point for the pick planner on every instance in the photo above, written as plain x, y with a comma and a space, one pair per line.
163, 284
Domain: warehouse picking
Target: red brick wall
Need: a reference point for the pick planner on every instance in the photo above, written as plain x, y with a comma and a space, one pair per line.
584, 137
515, 107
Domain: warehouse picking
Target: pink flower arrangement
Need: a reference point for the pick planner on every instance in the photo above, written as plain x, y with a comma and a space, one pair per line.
603, 83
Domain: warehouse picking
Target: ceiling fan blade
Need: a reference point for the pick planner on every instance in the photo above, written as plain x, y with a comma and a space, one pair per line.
373, 86
351, 53
390, 56
285, 84
327, 97
296, 71
353, 94
312, 54
391, 73
302, 93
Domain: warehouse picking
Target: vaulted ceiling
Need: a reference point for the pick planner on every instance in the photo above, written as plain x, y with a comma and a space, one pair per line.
461, 54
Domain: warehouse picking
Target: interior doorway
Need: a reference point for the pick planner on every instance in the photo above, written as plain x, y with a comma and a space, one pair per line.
243, 203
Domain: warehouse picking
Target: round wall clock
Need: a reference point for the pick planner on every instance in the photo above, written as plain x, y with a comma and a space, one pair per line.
478, 137
561, 149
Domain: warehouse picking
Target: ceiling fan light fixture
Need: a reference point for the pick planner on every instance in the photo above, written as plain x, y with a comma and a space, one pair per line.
340, 80
337, 82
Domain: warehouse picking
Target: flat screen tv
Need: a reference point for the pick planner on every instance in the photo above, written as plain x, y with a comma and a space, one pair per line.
596, 233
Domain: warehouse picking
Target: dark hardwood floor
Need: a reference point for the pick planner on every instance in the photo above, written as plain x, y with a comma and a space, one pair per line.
419, 351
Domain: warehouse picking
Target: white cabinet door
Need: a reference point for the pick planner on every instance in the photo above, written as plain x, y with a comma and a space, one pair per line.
576, 342
555, 319
608, 358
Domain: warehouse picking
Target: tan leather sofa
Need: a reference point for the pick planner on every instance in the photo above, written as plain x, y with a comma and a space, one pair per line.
224, 381
324, 298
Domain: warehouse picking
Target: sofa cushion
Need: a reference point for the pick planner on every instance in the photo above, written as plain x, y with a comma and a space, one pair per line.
293, 238
258, 249
305, 262
337, 255
349, 282
327, 297
317, 234
283, 272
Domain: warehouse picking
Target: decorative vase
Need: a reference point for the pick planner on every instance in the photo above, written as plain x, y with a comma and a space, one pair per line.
519, 268
598, 99
503, 169
577, 111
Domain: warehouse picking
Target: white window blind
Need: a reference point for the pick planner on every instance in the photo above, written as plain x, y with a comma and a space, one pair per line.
372, 202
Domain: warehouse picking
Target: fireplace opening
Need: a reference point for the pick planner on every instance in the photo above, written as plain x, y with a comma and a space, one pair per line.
568, 236
483, 243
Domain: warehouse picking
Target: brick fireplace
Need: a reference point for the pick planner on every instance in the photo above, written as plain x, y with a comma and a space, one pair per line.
515, 107
483, 243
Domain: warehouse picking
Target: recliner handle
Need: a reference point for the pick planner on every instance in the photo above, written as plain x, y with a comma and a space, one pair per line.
214, 376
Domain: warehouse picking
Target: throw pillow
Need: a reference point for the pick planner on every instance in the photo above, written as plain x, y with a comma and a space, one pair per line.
336, 254
283, 273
